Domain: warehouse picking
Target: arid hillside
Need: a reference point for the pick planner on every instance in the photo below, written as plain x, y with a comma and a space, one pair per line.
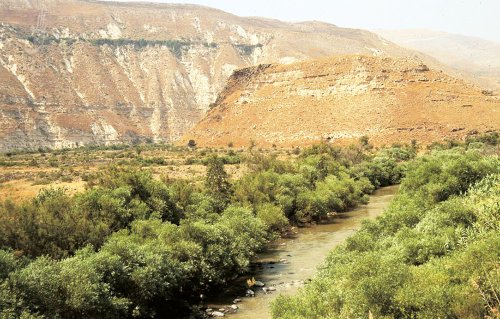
342, 98
76, 72
478, 58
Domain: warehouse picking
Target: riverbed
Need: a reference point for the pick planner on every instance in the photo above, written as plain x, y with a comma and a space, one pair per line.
290, 262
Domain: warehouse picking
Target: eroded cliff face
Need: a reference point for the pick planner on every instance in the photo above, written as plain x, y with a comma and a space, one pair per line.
339, 99
69, 94
74, 73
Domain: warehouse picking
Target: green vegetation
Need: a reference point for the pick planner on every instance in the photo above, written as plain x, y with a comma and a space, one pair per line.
132, 245
247, 49
176, 46
56, 224
139, 243
435, 253
48, 39
217, 183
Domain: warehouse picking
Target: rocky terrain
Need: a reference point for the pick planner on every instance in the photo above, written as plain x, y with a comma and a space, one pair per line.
478, 58
76, 72
339, 99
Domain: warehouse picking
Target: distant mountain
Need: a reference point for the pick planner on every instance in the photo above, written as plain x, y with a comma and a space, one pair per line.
76, 72
479, 57
340, 99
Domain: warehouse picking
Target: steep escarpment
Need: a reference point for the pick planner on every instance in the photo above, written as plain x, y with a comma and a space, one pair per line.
68, 94
342, 98
86, 72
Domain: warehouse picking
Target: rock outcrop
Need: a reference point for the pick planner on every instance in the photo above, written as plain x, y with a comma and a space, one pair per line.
75, 72
341, 99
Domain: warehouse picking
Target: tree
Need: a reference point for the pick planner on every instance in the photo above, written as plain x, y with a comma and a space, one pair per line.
322, 168
191, 144
364, 141
217, 182
252, 145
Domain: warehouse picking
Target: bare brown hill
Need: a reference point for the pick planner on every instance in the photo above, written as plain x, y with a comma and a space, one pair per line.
343, 98
77, 72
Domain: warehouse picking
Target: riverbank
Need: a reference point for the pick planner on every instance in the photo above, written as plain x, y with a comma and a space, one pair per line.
290, 262
433, 253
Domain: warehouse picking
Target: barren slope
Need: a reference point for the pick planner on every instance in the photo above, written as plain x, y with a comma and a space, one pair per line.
343, 98
77, 72
479, 58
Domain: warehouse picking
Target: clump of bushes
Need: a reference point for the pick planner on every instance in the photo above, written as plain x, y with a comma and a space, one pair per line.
152, 269
57, 224
134, 246
175, 46
433, 254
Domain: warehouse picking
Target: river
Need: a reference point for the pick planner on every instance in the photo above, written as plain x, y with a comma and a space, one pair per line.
289, 262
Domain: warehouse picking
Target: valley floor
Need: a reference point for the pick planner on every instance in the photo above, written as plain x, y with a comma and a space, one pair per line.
145, 231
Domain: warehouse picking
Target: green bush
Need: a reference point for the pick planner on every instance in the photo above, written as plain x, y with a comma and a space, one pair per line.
46, 225
7, 264
143, 188
154, 269
247, 49
438, 176
334, 194
272, 216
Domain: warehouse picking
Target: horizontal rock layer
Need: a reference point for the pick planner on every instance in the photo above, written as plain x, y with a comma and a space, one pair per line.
86, 72
341, 99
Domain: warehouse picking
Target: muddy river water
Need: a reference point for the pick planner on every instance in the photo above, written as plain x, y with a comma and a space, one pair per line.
288, 263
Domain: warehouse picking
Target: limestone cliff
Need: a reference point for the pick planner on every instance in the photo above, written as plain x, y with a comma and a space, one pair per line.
76, 72
340, 99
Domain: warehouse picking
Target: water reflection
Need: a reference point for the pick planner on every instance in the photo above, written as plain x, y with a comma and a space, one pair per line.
288, 263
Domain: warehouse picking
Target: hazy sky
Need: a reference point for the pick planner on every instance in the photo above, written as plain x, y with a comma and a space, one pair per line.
468, 17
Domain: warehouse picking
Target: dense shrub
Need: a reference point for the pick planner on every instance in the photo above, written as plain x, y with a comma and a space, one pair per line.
488, 138
381, 171
438, 176
317, 185
331, 195
151, 270
433, 254
46, 225
56, 224
272, 216
134, 246
143, 189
